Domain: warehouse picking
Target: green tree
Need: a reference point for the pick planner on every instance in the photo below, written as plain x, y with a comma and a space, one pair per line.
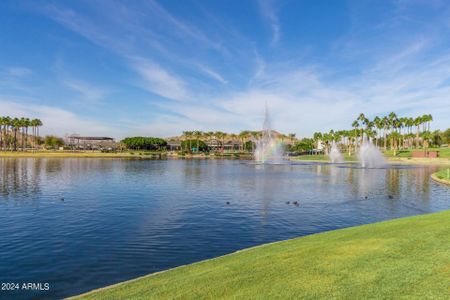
144, 143
53, 142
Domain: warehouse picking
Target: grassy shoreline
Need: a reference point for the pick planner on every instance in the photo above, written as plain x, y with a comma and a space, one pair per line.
129, 154
161, 154
443, 176
408, 257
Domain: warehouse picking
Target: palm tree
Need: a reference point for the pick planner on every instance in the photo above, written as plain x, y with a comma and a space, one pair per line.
188, 136
184, 135
355, 126
2, 123
254, 135
233, 139
426, 136
22, 125
409, 125
197, 134
291, 137
378, 125
362, 120
220, 136
33, 124
400, 125
15, 126
317, 138
385, 122
353, 134
208, 135
392, 126
27, 125
243, 135
430, 119
38, 125
8, 127
417, 123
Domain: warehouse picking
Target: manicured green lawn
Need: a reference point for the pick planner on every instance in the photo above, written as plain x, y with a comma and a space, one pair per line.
400, 259
443, 152
443, 174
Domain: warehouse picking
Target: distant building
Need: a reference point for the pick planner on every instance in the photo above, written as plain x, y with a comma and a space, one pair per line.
76, 141
174, 145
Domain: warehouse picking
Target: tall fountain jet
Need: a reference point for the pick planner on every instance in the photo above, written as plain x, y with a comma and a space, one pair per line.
369, 155
335, 155
268, 148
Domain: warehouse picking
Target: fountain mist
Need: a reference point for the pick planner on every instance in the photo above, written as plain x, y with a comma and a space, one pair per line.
268, 148
335, 155
369, 155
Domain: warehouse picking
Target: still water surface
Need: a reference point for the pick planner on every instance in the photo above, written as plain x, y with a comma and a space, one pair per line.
80, 224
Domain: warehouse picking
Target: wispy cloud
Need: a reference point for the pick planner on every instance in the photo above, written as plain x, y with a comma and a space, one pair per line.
221, 78
87, 91
269, 13
213, 74
159, 81
184, 27
116, 34
56, 120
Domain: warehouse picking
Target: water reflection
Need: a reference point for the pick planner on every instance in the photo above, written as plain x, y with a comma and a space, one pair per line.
122, 218
20, 177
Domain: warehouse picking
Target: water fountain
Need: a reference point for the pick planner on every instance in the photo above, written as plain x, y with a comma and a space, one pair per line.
369, 155
268, 148
335, 155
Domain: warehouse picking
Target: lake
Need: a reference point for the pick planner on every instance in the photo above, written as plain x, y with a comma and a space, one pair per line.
81, 224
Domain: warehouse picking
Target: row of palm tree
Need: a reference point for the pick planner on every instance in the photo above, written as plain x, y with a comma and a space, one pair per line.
241, 139
14, 133
395, 132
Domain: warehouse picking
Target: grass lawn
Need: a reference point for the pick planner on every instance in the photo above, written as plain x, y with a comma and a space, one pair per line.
443, 152
442, 176
405, 258
402, 156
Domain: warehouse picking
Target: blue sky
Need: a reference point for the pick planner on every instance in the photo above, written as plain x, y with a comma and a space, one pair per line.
156, 68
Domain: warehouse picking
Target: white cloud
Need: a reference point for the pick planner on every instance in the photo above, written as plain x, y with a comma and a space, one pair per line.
116, 32
268, 12
56, 121
159, 81
87, 91
213, 74
412, 77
